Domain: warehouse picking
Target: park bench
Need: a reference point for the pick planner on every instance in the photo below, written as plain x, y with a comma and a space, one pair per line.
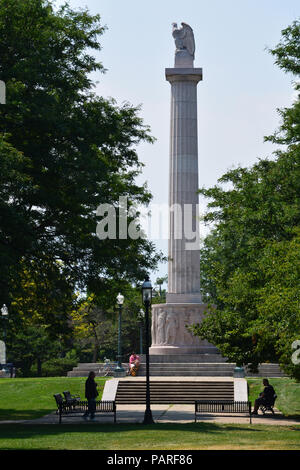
269, 405
222, 406
71, 399
68, 409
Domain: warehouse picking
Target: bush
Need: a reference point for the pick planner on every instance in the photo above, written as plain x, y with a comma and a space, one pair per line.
56, 367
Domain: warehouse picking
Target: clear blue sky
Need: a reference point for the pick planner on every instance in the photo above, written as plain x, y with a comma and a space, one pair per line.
241, 88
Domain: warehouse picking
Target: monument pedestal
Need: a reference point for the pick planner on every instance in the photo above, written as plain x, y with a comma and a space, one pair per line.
170, 335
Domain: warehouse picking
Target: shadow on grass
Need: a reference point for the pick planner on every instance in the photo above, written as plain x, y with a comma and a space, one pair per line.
87, 436
19, 431
8, 414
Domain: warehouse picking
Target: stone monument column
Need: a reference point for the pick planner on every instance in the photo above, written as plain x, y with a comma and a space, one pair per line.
183, 303
184, 255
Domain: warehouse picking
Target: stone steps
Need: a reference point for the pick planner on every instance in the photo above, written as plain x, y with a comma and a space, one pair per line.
185, 392
172, 369
184, 358
207, 370
181, 370
83, 369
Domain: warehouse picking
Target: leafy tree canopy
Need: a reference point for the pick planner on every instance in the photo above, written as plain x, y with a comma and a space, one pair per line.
66, 150
250, 260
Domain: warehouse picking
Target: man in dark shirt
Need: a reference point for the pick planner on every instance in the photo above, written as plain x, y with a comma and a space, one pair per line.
265, 397
91, 394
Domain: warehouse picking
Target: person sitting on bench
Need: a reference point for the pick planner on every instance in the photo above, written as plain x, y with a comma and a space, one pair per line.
265, 397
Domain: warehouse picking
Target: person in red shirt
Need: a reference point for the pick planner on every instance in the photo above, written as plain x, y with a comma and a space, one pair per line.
134, 362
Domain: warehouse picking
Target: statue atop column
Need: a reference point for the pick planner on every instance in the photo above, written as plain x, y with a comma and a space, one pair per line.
185, 45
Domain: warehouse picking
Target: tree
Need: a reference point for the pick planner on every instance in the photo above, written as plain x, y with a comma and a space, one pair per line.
32, 344
72, 150
12, 215
41, 312
43, 296
250, 260
159, 282
96, 329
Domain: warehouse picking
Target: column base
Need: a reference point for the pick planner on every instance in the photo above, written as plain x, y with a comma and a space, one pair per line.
183, 351
183, 298
169, 333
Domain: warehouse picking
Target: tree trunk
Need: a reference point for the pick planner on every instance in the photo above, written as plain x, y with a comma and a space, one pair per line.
39, 368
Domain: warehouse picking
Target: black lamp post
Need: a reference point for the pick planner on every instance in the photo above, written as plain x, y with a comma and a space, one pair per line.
119, 368
4, 314
147, 296
4, 317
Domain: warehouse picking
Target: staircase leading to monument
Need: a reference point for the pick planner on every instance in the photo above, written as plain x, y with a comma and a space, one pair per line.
209, 369
134, 391
185, 370
209, 365
83, 369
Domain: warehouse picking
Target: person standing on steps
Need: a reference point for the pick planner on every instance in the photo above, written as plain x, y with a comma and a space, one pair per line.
91, 394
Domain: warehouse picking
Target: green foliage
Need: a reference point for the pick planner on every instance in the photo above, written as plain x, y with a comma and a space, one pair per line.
96, 328
57, 367
32, 344
31, 398
251, 259
75, 150
287, 52
65, 151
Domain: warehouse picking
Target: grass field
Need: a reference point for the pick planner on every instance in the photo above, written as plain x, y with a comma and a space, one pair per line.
288, 394
33, 397
205, 436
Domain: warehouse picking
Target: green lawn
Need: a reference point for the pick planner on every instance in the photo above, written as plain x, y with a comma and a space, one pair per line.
287, 390
33, 397
204, 436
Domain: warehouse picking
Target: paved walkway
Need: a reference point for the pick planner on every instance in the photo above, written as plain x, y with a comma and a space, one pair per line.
164, 414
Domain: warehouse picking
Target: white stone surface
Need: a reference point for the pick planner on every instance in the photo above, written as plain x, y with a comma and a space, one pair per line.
110, 390
240, 389
169, 332
2, 92
184, 304
2, 352
185, 45
184, 263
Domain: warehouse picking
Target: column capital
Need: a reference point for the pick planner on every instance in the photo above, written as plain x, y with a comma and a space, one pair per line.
183, 75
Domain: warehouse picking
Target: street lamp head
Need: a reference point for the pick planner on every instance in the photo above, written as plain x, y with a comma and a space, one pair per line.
147, 290
120, 299
4, 310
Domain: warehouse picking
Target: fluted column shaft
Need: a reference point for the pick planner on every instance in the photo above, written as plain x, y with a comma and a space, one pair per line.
184, 254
